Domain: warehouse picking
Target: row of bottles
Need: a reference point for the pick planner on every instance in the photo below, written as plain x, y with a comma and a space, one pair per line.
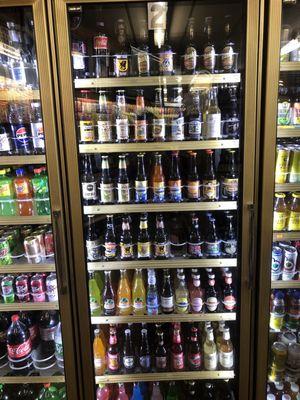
287, 169
286, 212
33, 392
285, 310
288, 105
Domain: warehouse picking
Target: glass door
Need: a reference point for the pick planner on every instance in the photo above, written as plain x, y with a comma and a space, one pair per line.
278, 369
34, 305
153, 98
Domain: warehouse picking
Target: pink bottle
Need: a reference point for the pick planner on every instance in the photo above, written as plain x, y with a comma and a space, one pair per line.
103, 392
122, 393
156, 393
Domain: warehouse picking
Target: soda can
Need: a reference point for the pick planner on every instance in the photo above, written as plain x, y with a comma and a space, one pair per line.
5, 255
289, 262
282, 164
51, 287
49, 243
288, 338
278, 355
22, 288
38, 288
32, 249
293, 356
294, 176
40, 235
7, 288
276, 268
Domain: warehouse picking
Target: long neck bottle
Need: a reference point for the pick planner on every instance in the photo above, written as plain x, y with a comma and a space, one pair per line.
190, 55
210, 351
196, 295
140, 126
209, 52
104, 125
177, 121
212, 117
194, 352
101, 57
194, 243
138, 293
230, 238
121, 392
128, 353
122, 125
121, 58
226, 358
228, 57
156, 393
94, 296
93, 246
230, 182
144, 244
211, 295
124, 303
167, 295
109, 304
107, 195
166, 58
158, 180
174, 182
141, 181
161, 357
126, 245
181, 295
110, 244
86, 124
113, 354
144, 353
193, 182
143, 57
229, 298
152, 300
158, 121
210, 190
177, 356
161, 242
123, 186
88, 183
194, 118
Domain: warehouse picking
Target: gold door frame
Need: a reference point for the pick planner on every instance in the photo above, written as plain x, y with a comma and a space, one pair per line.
248, 209
55, 184
267, 194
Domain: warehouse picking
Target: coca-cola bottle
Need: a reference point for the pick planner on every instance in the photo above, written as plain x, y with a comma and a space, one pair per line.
48, 323
29, 320
19, 345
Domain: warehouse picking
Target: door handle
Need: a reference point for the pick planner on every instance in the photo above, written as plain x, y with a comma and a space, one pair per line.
251, 283
59, 253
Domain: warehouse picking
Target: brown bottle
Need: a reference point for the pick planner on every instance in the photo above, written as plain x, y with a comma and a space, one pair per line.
177, 356
210, 183
158, 180
194, 352
113, 355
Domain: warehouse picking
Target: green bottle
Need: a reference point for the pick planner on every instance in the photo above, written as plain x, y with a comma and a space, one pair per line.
49, 393
41, 191
95, 296
172, 392
7, 195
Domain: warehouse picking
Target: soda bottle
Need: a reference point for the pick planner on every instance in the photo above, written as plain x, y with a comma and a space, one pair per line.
41, 192
126, 245
152, 300
156, 393
107, 192
172, 392
161, 355
211, 295
48, 324
293, 313
113, 355
277, 310
4, 325
99, 348
86, 124
144, 353
181, 295
104, 124
167, 295
209, 391
4, 393
7, 289
210, 184
94, 296
22, 288
109, 304
6, 142
38, 290
88, 183
51, 287
161, 240
143, 242
26, 392
122, 124
30, 322
138, 293
48, 392
158, 180
140, 126
194, 352
121, 392
136, 395
110, 244
59, 351
229, 299
280, 213
37, 128
23, 190
294, 217
174, 182
128, 353
7, 196
226, 351
141, 181
19, 345
194, 242
20, 128
124, 303
193, 182
101, 55
196, 295
123, 181
177, 356
210, 351
92, 241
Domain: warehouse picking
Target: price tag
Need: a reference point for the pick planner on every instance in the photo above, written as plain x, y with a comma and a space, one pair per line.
157, 15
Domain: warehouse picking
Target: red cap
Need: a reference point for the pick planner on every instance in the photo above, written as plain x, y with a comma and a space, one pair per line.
208, 151
47, 385
15, 318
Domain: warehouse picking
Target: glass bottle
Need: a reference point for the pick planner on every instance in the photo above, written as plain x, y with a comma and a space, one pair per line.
209, 391
174, 182
101, 55
226, 359
212, 117
123, 186
128, 353
110, 243
88, 183
140, 125
156, 393
210, 351
172, 391
277, 310
209, 52
107, 193
190, 54
228, 56
158, 120
210, 191
194, 241
177, 120
86, 123
280, 213
166, 58
121, 392
230, 181
158, 180
136, 394
109, 304
194, 118
212, 243
177, 355
194, 351
104, 123
143, 57
161, 355
124, 304
143, 242
229, 299
141, 181
167, 295
196, 295
211, 295
122, 56
229, 243
219, 334
113, 354
181, 296
284, 112
92, 241
138, 293
144, 353
294, 216
193, 182
99, 349
161, 240
94, 296
152, 299
126, 245
122, 124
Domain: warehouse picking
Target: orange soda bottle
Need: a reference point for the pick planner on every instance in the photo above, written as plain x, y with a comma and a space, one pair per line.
99, 348
24, 193
124, 303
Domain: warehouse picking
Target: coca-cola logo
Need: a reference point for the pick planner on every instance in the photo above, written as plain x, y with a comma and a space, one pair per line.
19, 350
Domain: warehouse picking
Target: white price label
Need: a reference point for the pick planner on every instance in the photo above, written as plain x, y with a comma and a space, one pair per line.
157, 15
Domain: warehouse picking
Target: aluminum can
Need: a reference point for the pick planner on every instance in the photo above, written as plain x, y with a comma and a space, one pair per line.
289, 262
32, 249
5, 255
39, 233
38, 288
276, 268
49, 243
22, 288
51, 287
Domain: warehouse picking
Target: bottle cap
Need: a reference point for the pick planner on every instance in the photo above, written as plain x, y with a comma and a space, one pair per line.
20, 171
15, 318
280, 195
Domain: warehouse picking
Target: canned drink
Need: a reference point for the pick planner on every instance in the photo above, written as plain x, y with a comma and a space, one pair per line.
276, 268
51, 287
40, 235
294, 176
293, 356
5, 255
22, 288
32, 249
49, 243
278, 355
38, 288
7, 288
282, 164
290, 255
293, 312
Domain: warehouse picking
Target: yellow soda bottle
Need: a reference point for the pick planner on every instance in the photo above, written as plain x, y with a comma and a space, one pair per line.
94, 296
138, 293
124, 295
280, 214
99, 347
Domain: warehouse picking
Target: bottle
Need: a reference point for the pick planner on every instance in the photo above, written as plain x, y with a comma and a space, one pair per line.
103, 123
37, 128
101, 56
23, 190
194, 240
99, 349
219, 334
152, 297
210, 191
88, 182
193, 182
7, 195
144, 353
161, 355
121, 57
19, 345
161, 241
26, 392
6, 141
284, 112
143, 56
228, 56
294, 391
196, 295
212, 242
48, 392
59, 350
143, 242
113, 355
140, 125
128, 353
110, 244
229, 299
166, 58
123, 181
48, 323
21, 135
177, 121
158, 180
280, 213
138, 293
293, 311
107, 192
86, 124
122, 125
229, 246
194, 118
92, 241
209, 52
124, 303
194, 352
226, 351
121, 392
7, 289
294, 217
109, 306
210, 351
136, 395
212, 117
174, 182
230, 114
41, 192
190, 54
156, 393
172, 391
94, 296
277, 310
209, 392
177, 355
158, 120
30, 321
230, 181
141, 181
167, 296
103, 392
211, 295
181, 296
126, 245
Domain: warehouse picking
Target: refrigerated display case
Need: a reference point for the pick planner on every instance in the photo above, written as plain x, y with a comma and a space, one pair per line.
159, 108
278, 318
36, 324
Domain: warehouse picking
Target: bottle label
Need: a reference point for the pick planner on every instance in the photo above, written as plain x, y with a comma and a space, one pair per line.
193, 190
128, 362
22, 188
190, 59
175, 192
226, 359
124, 303
107, 192
87, 133
18, 351
194, 360
177, 361
284, 113
230, 188
229, 302
141, 130
161, 362
210, 361
158, 192
5, 190
143, 61
279, 220
166, 61
47, 334
89, 190
159, 129
145, 362
144, 250
4, 142
211, 303
182, 305
98, 363
110, 249
121, 65
122, 129
167, 302
94, 305
100, 42
231, 127
213, 126
197, 304
194, 129
209, 58
161, 249
230, 247
227, 58
126, 251
177, 129
112, 362
210, 190
78, 61
138, 303
93, 248
109, 304
104, 131
294, 221
22, 136
141, 191
276, 321
152, 304
194, 249
296, 113
123, 193
38, 137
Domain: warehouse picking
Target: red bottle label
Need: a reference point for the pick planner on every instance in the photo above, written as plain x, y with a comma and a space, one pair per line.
100, 42
19, 350
113, 362
177, 361
229, 302
194, 360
